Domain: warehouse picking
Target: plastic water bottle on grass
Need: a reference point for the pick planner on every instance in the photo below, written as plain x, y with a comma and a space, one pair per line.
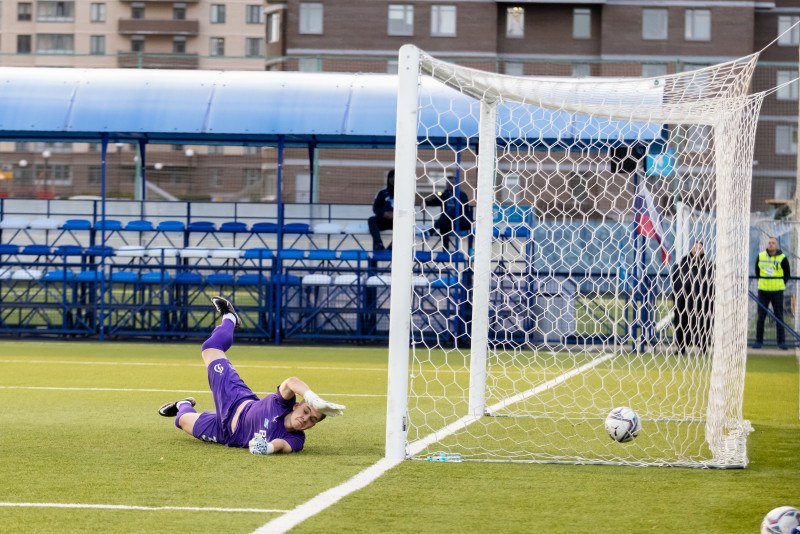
444, 457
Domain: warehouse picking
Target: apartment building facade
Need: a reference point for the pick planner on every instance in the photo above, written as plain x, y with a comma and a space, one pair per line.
581, 38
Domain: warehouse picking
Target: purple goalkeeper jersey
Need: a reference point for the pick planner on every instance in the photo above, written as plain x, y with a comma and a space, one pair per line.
266, 417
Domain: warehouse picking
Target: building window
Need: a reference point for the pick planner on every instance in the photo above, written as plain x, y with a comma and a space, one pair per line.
94, 175
254, 14
391, 66
216, 150
97, 45
252, 177
793, 37
514, 68
515, 22
581, 23
697, 138
310, 18
274, 27
251, 150
654, 24
581, 70
443, 21
217, 46
308, 64
137, 10
217, 13
178, 11
179, 44
215, 178
788, 91
786, 139
784, 189
55, 43
23, 44
55, 11
254, 47
137, 43
24, 11
97, 12
654, 70
698, 25
401, 19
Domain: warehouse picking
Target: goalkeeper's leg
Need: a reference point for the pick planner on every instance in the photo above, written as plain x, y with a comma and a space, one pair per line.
220, 341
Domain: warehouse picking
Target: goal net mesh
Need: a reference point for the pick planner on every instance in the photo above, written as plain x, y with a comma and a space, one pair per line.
549, 285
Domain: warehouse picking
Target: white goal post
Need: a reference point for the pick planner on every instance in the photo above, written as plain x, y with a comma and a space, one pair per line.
531, 294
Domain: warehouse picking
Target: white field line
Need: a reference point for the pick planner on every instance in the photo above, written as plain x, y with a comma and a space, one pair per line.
176, 391
165, 364
125, 507
420, 445
291, 519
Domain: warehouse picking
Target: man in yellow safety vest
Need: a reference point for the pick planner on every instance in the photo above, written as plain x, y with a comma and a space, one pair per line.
772, 272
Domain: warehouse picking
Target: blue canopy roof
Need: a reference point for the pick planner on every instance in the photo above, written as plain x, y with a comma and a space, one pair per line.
252, 107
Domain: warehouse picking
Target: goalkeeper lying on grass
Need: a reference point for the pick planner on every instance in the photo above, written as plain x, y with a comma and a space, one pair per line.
270, 425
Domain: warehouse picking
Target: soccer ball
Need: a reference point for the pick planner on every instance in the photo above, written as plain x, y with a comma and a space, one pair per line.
783, 520
623, 424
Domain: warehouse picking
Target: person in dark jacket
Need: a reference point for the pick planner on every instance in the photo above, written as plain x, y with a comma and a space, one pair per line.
455, 209
772, 272
693, 292
383, 208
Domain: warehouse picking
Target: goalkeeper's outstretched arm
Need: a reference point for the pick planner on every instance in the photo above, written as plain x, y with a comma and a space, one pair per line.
294, 386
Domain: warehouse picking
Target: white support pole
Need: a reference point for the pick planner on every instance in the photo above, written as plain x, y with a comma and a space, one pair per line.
402, 243
482, 266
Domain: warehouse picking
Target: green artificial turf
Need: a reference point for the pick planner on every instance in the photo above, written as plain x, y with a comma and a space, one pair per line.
78, 425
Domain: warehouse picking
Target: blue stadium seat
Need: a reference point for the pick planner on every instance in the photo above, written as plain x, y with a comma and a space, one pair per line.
88, 276
297, 228
256, 253
265, 228
291, 254
77, 224
322, 254
171, 226
423, 256
233, 226
516, 231
124, 277
155, 277
36, 250
8, 249
99, 250
189, 278
285, 279
202, 226
59, 275
139, 226
382, 255
108, 224
252, 279
68, 250
219, 279
353, 254
453, 257
446, 281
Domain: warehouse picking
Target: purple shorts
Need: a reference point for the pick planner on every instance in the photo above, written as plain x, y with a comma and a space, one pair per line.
229, 391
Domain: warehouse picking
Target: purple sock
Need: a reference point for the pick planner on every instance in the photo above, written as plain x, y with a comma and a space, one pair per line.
184, 408
221, 338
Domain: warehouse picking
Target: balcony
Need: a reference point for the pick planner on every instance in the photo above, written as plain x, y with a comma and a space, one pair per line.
161, 1
142, 60
158, 27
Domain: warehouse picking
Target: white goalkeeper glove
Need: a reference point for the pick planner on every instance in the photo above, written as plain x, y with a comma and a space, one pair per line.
318, 403
258, 445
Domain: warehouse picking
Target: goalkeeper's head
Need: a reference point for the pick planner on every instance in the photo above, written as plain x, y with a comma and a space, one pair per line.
302, 417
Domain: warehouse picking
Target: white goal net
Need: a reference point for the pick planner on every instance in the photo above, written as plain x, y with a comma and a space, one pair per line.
543, 271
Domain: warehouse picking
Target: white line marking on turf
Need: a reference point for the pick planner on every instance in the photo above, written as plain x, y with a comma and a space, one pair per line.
420, 445
165, 364
176, 391
294, 517
125, 507
326, 498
